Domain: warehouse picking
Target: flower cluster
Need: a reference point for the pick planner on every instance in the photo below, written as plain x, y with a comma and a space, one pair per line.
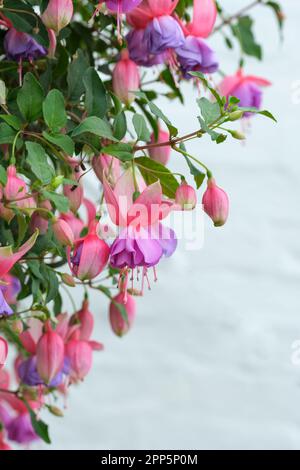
71, 79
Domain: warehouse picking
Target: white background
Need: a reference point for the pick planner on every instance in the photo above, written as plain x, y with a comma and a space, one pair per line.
207, 364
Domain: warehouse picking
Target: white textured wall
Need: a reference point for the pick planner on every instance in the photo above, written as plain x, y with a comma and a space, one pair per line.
207, 364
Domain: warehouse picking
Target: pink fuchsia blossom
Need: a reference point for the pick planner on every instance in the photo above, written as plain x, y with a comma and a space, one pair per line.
50, 355
247, 88
80, 356
63, 232
186, 197
74, 193
39, 220
120, 325
15, 192
126, 78
8, 259
147, 209
20, 430
74, 222
58, 14
107, 164
86, 321
3, 352
89, 256
204, 19
216, 203
160, 154
149, 9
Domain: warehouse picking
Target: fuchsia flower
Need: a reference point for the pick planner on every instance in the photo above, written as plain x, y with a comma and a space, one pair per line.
80, 356
10, 288
186, 197
3, 352
89, 256
247, 88
50, 355
107, 164
204, 19
74, 193
15, 192
160, 154
39, 220
58, 14
163, 33
216, 203
8, 258
21, 46
119, 325
149, 9
126, 78
63, 232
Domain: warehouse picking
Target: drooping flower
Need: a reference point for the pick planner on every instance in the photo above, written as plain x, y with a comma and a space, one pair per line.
139, 52
80, 356
126, 78
196, 55
89, 256
58, 14
8, 258
247, 88
21, 46
50, 355
4, 307
120, 325
216, 203
20, 429
149, 9
110, 165
163, 33
63, 232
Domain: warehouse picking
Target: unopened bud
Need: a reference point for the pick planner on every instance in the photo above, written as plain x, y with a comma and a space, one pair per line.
55, 411
235, 115
68, 280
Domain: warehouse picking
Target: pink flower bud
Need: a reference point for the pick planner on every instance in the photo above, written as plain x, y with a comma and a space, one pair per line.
58, 14
86, 320
74, 222
39, 220
80, 356
63, 232
3, 352
15, 191
186, 197
160, 154
126, 78
75, 195
119, 325
89, 257
110, 165
50, 355
216, 203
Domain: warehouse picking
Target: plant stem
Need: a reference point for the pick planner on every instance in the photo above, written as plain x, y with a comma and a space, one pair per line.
237, 15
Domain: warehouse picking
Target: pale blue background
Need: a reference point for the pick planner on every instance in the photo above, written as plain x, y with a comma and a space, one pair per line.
207, 365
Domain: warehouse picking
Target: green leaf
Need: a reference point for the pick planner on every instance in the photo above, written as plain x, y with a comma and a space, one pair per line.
54, 110
121, 151
62, 141
153, 171
120, 126
95, 94
96, 126
243, 32
140, 127
38, 425
198, 175
75, 75
7, 134
30, 98
12, 121
276, 7
158, 113
3, 176
37, 159
263, 112
59, 200
210, 111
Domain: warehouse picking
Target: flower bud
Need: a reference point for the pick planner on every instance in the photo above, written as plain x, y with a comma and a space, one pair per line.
109, 165
80, 356
55, 411
119, 325
17, 327
186, 197
75, 195
86, 321
63, 232
50, 356
238, 135
3, 352
216, 203
68, 280
39, 220
235, 115
126, 78
58, 14
89, 257
160, 154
